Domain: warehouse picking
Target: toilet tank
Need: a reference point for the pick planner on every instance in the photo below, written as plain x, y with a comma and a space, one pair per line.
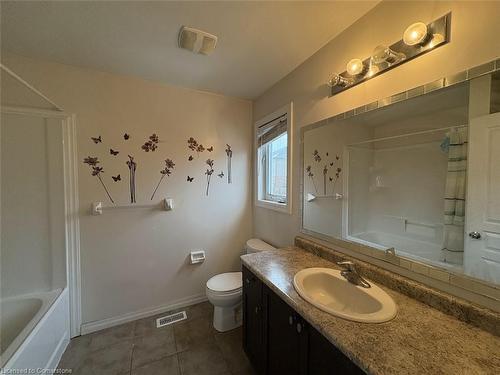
254, 245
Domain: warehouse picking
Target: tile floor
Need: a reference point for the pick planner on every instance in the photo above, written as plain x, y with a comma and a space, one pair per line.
190, 347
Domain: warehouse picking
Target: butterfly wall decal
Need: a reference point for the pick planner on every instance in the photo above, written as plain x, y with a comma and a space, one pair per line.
117, 178
190, 158
113, 152
96, 139
126, 136
221, 174
190, 179
210, 149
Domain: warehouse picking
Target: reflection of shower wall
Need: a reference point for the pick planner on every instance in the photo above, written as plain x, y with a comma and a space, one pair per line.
360, 165
407, 190
32, 203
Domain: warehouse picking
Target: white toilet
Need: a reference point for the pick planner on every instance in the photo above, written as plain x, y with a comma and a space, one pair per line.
224, 292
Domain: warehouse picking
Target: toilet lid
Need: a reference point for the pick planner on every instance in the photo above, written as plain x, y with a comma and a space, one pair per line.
225, 282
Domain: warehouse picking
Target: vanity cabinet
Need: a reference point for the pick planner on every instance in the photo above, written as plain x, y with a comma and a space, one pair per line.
252, 319
278, 341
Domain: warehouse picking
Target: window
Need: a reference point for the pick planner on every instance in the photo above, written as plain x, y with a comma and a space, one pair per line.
273, 140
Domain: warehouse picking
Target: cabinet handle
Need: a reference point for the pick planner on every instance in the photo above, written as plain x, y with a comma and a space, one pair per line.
299, 327
256, 309
247, 280
290, 320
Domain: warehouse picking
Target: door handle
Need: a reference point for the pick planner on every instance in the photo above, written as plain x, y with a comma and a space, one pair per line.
290, 320
299, 328
475, 235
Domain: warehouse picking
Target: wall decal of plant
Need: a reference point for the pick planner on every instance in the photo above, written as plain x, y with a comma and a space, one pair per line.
193, 145
316, 155
229, 154
166, 171
132, 166
334, 180
310, 174
209, 172
92, 162
328, 166
151, 144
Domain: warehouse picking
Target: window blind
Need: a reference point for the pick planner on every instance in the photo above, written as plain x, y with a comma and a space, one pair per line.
271, 130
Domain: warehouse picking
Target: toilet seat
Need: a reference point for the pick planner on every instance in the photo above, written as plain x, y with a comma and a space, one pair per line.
225, 283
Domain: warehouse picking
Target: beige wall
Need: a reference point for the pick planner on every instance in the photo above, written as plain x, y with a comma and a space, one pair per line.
136, 259
474, 40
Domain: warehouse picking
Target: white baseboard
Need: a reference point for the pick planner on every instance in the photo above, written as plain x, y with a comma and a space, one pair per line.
98, 325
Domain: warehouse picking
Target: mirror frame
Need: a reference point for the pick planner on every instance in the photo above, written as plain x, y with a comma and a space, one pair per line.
439, 277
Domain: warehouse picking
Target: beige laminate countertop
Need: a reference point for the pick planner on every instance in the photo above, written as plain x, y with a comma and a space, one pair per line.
420, 340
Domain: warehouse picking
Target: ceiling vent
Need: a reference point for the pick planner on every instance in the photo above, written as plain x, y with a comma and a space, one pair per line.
197, 41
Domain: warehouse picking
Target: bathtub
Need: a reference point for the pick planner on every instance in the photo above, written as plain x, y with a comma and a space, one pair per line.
423, 251
35, 330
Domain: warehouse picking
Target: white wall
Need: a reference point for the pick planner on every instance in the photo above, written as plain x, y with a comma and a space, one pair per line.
136, 259
474, 40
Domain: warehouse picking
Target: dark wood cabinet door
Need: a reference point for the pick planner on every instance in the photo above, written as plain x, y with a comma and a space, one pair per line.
252, 320
323, 358
282, 339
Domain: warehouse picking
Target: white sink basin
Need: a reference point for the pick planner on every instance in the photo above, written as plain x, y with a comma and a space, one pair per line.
326, 289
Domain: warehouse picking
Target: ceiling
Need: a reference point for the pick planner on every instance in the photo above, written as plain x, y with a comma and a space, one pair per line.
259, 42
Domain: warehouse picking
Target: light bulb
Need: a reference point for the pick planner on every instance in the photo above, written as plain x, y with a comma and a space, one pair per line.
436, 39
415, 34
355, 67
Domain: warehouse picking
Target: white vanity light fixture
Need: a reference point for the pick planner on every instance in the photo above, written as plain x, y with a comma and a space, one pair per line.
418, 38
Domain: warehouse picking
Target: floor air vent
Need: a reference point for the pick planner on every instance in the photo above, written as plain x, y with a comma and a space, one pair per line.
170, 319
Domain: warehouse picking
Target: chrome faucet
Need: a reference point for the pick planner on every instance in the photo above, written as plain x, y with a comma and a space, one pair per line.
351, 274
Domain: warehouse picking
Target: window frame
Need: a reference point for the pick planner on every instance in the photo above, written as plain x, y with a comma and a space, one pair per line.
260, 198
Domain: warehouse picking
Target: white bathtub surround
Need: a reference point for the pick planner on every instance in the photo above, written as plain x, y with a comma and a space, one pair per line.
35, 330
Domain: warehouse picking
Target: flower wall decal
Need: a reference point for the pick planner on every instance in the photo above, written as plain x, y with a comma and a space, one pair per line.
327, 168
92, 162
132, 166
193, 145
166, 171
151, 144
209, 172
229, 154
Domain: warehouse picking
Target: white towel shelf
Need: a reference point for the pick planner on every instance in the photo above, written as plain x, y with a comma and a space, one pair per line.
312, 197
166, 204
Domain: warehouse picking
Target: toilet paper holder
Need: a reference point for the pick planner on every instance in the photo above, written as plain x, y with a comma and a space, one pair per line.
197, 257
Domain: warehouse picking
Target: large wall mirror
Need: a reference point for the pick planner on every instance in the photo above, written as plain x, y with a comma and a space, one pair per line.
417, 174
